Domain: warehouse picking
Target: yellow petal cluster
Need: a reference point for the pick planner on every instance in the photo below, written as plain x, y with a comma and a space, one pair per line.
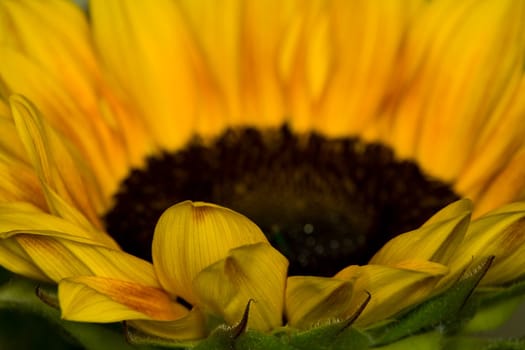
215, 259
414, 266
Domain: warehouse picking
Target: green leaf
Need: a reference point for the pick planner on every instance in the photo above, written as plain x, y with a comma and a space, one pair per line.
494, 306
476, 343
425, 341
441, 310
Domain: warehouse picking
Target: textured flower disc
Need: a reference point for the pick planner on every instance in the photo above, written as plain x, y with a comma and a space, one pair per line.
324, 203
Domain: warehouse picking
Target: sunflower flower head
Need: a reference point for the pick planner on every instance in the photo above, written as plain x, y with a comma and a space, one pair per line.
263, 174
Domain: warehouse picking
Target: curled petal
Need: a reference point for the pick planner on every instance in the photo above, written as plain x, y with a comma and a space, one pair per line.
56, 163
46, 247
60, 259
99, 299
251, 272
51, 248
191, 236
19, 217
436, 240
311, 300
392, 289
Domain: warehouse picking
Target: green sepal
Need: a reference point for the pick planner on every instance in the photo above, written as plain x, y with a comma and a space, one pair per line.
224, 337
444, 310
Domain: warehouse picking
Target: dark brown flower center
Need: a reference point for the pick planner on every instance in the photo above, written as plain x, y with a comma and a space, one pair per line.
324, 203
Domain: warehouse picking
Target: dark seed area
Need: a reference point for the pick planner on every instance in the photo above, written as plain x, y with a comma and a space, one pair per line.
324, 203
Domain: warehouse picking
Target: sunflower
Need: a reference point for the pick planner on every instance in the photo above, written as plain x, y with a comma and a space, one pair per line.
335, 139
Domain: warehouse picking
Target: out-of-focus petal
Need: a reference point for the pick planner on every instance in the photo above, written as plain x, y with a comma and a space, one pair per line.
154, 61
455, 78
505, 186
365, 38
246, 64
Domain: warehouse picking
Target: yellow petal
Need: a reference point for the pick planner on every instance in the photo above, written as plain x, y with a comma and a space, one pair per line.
14, 258
19, 182
497, 148
505, 186
248, 75
366, 37
454, 83
10, 143
55, 163
313, 300
436, 240
64, 25
191, 236
252, 272
262, 26
392, 289
211, 23
60, 258
61, 76
306, 62
453, 210
99, 299
50, 256
500, 233
16, 217
62, 249
190, 327
154, 60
